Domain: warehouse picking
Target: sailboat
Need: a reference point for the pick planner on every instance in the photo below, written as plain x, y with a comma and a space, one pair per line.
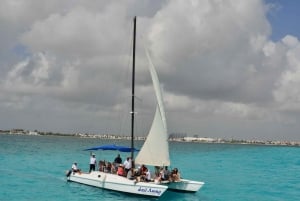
148, 155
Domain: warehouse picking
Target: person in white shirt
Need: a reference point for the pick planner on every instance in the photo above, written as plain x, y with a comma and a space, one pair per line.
73, 169
93, 162
148, 175
127, 165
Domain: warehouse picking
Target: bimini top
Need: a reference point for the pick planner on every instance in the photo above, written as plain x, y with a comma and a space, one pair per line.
111, 147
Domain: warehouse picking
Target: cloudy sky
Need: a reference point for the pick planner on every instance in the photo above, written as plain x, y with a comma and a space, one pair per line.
229, 69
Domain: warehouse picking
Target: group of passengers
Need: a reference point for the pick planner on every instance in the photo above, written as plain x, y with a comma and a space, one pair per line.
126, 169
142, 173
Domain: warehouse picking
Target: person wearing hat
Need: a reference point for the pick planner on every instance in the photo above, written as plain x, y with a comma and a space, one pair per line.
93, 162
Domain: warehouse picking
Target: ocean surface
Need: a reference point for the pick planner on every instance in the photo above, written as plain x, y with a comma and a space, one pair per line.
33, 168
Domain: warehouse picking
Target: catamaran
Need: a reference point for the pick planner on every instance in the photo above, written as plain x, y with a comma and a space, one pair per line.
154, 152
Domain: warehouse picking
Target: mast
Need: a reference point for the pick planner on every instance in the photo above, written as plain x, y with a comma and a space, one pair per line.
133, 85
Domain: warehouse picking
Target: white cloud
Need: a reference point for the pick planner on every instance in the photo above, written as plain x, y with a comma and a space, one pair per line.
78, 33
287, 93
290, 41
214, 46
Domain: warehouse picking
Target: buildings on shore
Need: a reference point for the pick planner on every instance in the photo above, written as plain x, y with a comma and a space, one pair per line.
81, 135
172, 137
234, 141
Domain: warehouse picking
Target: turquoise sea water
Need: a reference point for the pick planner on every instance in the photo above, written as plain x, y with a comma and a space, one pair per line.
33, 168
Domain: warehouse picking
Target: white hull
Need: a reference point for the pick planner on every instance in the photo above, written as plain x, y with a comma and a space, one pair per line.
118, 183
185, 185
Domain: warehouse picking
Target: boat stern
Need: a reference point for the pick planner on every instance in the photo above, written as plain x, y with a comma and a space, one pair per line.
185, 185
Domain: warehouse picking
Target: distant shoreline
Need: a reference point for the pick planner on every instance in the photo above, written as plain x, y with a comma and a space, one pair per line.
171, 138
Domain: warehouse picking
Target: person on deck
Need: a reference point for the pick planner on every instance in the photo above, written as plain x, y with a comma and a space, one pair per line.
101, 165
142, 170
93, 162
120, 171
161, 175
114, 168
108, 167
130, 174
118, 159
175, 176
127, 165
74, 169
166, 173
148, 175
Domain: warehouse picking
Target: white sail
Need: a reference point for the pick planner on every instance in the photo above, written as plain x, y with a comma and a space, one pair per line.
155, 150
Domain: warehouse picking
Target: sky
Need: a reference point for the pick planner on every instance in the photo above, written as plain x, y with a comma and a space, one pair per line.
228, 69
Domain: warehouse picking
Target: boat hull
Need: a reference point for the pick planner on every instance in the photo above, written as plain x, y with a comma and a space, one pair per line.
118, 183
185, 185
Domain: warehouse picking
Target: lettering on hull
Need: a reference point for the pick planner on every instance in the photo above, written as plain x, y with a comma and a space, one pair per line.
149, 190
